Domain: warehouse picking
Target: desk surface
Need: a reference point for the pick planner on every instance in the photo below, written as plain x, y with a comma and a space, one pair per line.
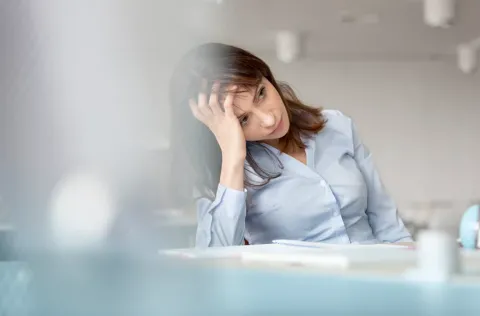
256, 292
258, 288
364, 262
223, 287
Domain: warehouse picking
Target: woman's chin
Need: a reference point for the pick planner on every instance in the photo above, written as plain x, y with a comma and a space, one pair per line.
283, 132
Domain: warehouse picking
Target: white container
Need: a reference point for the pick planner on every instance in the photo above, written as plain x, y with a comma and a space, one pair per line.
438, 256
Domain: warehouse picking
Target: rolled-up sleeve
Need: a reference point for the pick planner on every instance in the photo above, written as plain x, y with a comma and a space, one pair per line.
221, 222
382, 212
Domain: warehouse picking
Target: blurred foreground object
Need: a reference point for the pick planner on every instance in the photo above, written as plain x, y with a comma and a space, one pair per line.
82, 212
80, 90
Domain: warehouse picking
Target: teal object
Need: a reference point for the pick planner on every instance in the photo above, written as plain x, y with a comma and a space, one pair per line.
469, 227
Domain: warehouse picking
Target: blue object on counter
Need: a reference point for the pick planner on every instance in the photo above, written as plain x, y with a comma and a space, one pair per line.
469, 227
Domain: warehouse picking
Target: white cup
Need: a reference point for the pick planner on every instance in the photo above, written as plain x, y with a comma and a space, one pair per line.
438, 256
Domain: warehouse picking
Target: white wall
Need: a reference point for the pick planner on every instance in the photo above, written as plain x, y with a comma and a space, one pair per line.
420, 119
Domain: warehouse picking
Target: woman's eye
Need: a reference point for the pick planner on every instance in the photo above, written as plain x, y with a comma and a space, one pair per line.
243, 120
261, 92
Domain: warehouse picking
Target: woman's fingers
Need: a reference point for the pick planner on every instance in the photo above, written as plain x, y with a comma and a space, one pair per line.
228, 104
195, 111
213, 102
205, 110
203, 106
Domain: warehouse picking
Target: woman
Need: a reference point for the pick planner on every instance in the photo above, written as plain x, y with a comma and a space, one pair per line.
271, 167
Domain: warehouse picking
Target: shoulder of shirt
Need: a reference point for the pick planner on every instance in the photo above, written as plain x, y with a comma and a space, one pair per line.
329, 113
337, 121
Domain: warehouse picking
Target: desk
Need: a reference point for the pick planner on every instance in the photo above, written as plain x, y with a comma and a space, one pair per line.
147, 286
275, 292
371, 289
383, 262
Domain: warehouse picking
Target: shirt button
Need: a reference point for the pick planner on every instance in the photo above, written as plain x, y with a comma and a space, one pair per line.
323, 183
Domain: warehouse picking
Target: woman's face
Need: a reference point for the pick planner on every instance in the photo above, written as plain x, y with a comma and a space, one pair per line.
261, 113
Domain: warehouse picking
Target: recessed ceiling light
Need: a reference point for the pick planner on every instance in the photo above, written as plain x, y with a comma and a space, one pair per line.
439, 13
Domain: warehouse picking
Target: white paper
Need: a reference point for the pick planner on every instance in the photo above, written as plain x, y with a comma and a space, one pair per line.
319, 245
222, 252
298, 256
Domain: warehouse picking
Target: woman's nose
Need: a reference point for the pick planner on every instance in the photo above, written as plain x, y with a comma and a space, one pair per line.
267, 120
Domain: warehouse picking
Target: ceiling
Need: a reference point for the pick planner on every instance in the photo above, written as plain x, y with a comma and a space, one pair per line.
374, 29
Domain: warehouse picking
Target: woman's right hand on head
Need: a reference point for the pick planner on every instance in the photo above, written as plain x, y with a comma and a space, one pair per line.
223, 123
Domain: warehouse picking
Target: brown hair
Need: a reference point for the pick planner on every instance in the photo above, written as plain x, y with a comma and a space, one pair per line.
228, 65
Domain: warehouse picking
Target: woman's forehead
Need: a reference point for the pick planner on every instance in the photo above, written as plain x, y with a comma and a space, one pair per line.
243, 102
240, 84
242, 94
240, 89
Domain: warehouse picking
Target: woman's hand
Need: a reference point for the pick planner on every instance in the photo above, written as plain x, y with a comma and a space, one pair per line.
223, 124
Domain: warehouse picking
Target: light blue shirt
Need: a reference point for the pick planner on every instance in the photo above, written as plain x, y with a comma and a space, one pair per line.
337, 197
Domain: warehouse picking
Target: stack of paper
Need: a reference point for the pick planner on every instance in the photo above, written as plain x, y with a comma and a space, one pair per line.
219, 252
333, 255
